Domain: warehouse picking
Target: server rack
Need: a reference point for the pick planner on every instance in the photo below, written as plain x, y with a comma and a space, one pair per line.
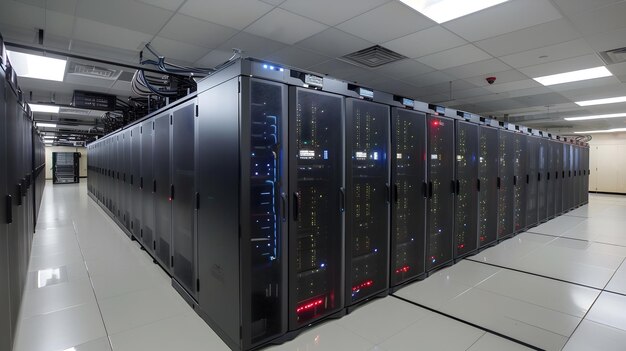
550, 180
577, 175
466, 189
519, 184
586, 174
567, 177
146, 182
541, 180
441, 187
367, 195
135, 182
408, 211
558, 176
163, 190
488, 186
6, 320
506, 172
532, 180
65, 167
127, 189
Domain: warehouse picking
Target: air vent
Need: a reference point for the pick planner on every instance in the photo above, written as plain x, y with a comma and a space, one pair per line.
79, 69
614, 56
373, 57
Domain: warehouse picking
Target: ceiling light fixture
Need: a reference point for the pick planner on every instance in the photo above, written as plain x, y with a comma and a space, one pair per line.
442, 11
614, 130
49, 137
584, 118
46, 125
574, 76
613, 100
38, 67
44, 108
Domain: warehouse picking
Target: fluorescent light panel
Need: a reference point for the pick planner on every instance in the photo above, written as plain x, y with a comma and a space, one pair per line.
614, 130
585, 118
38, 67
49, 137
44, 108
574, 76
442, 11
46, 125
613, 100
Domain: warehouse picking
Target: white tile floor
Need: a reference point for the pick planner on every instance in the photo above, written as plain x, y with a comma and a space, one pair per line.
562, 285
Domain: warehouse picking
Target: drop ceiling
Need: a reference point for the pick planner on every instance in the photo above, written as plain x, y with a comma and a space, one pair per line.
447, 64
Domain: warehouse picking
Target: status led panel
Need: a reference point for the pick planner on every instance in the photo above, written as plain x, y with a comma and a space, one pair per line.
550, 180
316, 242
367, 207
408, 210
542, 187
488, 186
505, 184
466, 186
440, 190
146, 182
163, 191
519, 183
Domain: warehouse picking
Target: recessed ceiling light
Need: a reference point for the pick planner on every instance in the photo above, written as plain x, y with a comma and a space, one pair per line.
44, 108
48, 141
46, 125
612, 100
574, 76
49, 137
35, 66
442, 11
614, 130
584, 118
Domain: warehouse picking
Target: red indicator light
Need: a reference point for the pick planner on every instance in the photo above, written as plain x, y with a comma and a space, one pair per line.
461, 246
403, 269
363, 285
169, 198
436, 122
309, 305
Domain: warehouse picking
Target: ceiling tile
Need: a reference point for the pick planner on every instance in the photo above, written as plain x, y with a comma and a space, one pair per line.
398, 87
178, 50
285, 27
591, 83
171, 5
109, 35
252, 45
610, 40
404, 68
214, 58
504, 18
22, 15
571, 64
63, 6
602, 19
478, 68
517, 85
101, 50
334, 43
570, 7
425, 42
547, 99
273, 2
455, 57
427, 79
501, 77
295, 57
58, 23
398, 20
468, 93
232, 13
538, 36
135, 15
574, 48
196, 31
583, 94
330, 12
338, 69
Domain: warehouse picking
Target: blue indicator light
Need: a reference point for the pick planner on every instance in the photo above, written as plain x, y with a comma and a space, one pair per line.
326, 154
271, 67
282, 70
265, 66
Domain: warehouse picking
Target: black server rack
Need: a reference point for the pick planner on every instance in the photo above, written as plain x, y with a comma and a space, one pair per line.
146, 182
577, 175
506, 172
586, 173
570, 178
440, 190
466, 189
488, 186
163, 190
65, 167
541, 180
558, 176
550, 181
135, 181
183, 197
316, 185
519, 182
117, 168
367, 199
408, 210
567, 176
6, 325
125, 180
532, 164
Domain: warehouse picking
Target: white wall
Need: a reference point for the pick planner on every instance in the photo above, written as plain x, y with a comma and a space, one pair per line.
607, 162
82, 165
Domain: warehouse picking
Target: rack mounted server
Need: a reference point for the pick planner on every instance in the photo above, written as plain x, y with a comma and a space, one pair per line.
277, 198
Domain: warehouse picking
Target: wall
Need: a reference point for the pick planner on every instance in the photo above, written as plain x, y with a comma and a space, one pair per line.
82, 162
608, 163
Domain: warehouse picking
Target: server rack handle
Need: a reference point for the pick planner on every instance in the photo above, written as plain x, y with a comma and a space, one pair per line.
478, 184
538, 177
548, 176
563, 174
9, 204
388, 191
430, 190
528, 179
19, 194
395, 193
498, 182
425, 189
171, 192
296, 206
556, 175
515, 180
283, 206
342, 199
140, 182
457, 185
154, 186
131, 179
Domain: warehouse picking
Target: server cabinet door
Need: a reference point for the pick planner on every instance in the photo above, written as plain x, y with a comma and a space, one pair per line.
541, 181
505, 184
519, 183
184, 196
408, 211
367, 210
117, 170
488, 186
586, 167
6, 337
577, 176
466, 214
440, 205
316, 245
163, 190
135, 181
531, 180
146, 182
567, 176
558, 178
550, 178
128, 188
570, 179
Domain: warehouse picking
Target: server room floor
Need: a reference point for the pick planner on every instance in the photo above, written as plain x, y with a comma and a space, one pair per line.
559, 285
